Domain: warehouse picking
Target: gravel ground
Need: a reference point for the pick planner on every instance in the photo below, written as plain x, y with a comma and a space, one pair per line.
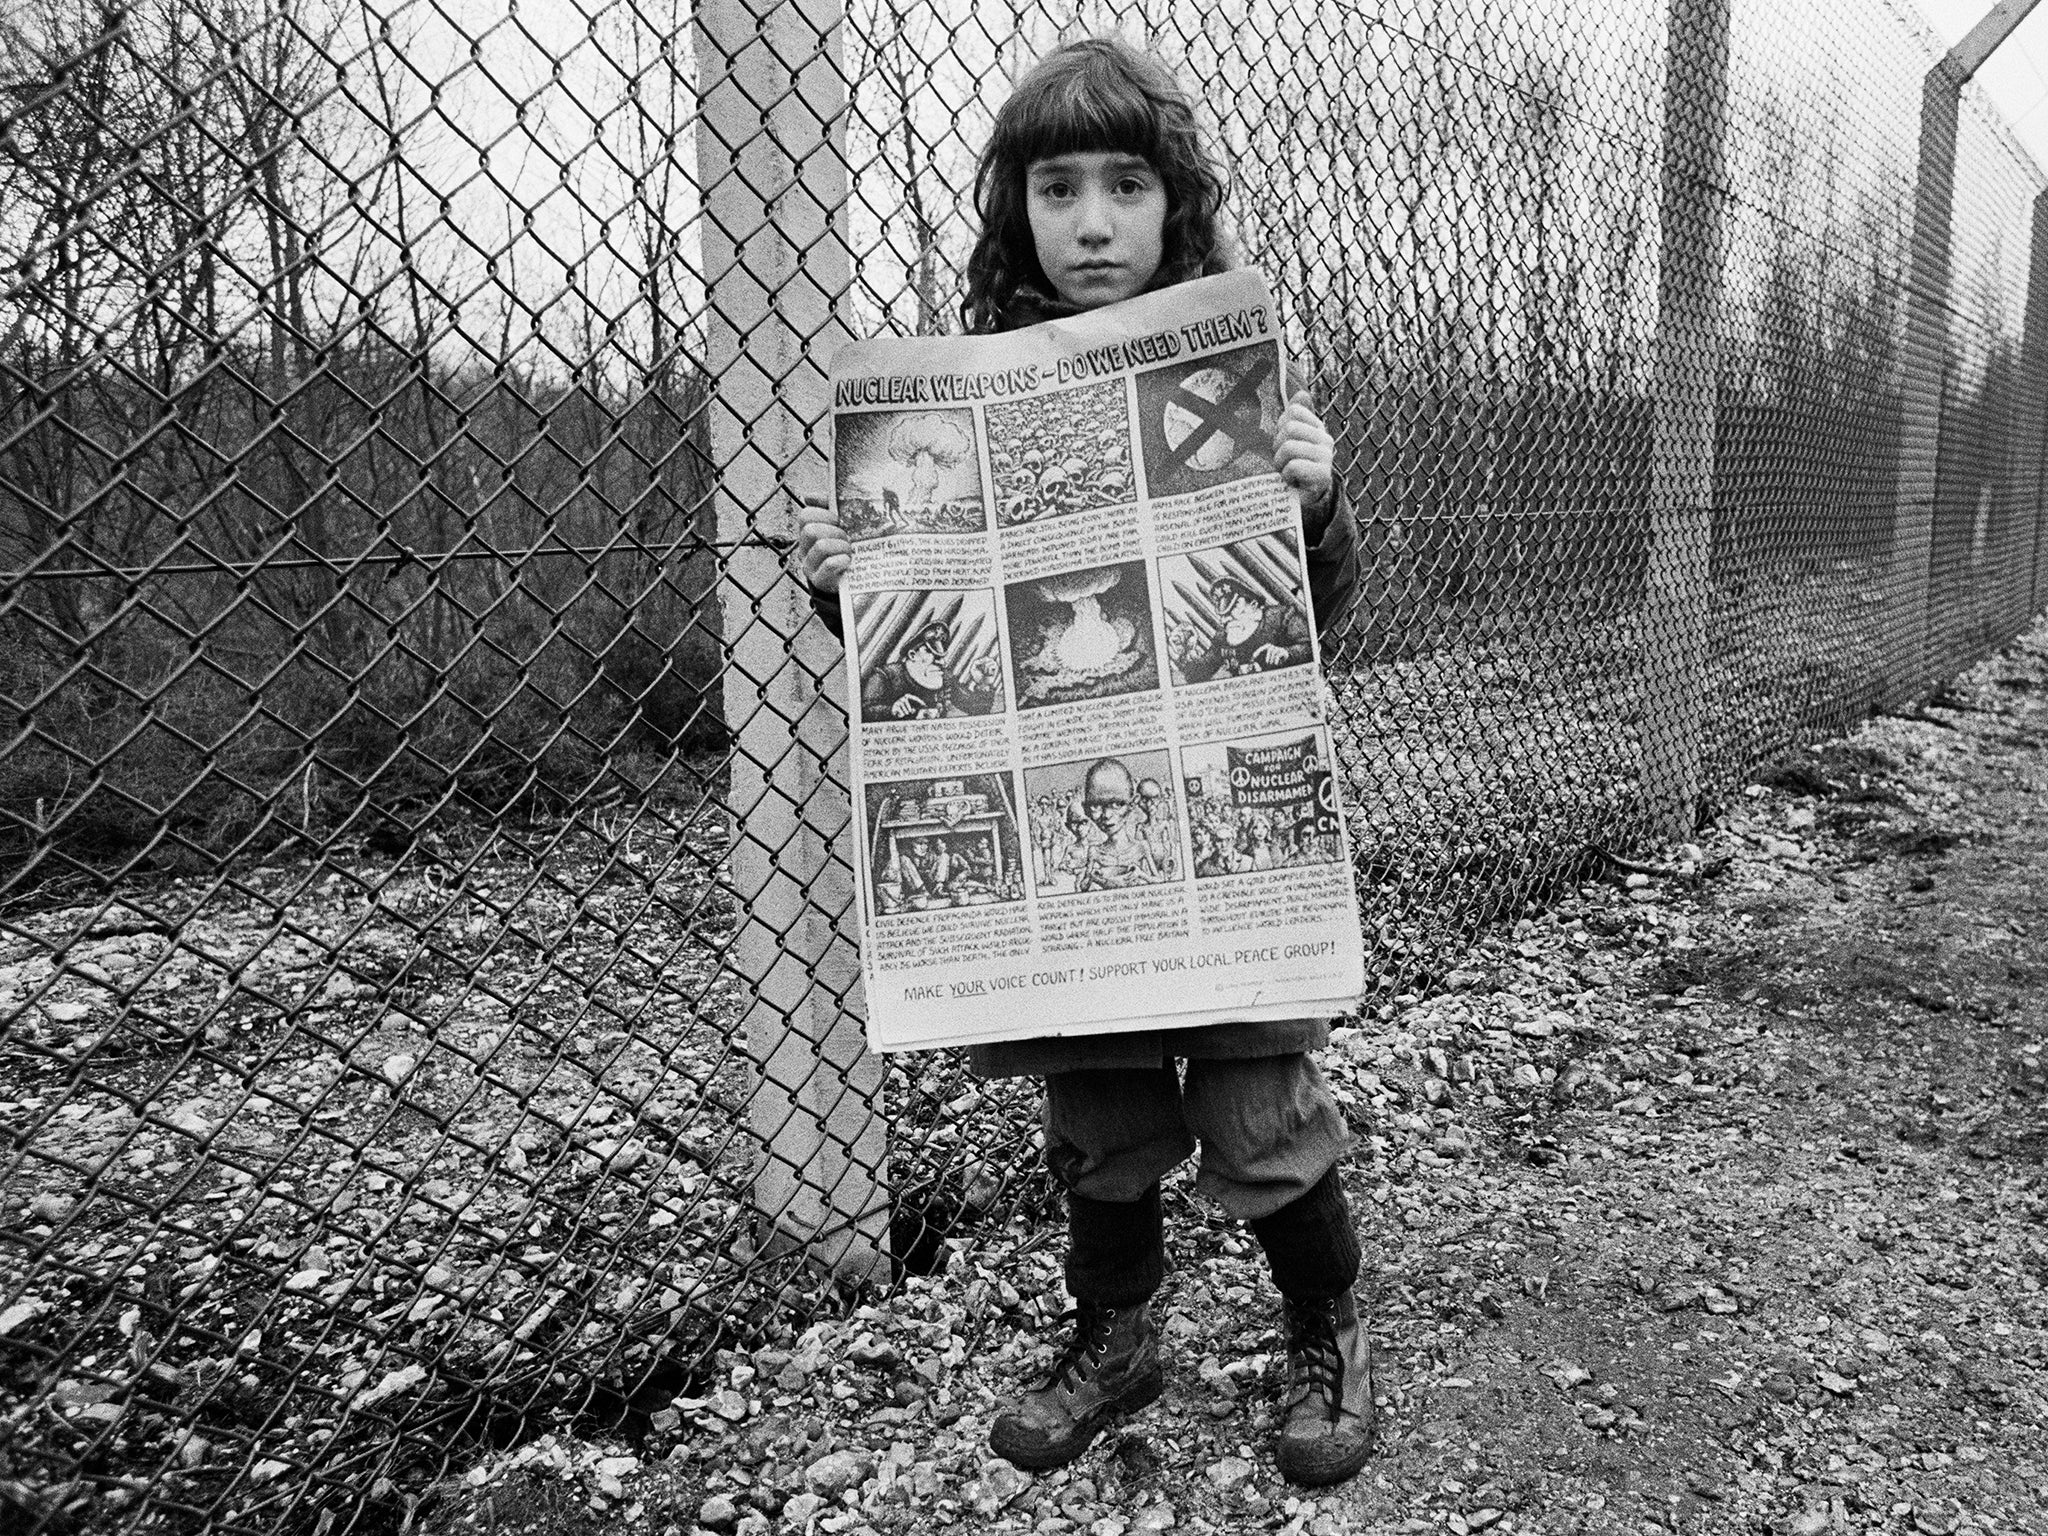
1708, 1198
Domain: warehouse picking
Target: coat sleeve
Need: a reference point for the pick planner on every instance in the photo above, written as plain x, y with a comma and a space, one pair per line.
826, 606
1333, 566
1332, 548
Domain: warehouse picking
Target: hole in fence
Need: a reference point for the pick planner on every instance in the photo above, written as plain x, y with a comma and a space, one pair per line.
918, 1233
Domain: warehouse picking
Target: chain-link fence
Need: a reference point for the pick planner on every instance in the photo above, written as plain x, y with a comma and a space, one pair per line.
427, 1000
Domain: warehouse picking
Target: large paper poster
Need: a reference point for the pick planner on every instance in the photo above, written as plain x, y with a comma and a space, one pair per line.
1093, 779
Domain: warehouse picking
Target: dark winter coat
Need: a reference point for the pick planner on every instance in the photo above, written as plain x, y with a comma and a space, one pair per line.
1333, 583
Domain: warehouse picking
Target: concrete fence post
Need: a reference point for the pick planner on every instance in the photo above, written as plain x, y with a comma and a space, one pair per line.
772, 169
1686, 365
1923, 370
2031, 501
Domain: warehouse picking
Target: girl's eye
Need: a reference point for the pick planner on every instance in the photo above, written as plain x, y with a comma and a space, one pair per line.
1054, 189
1132, 186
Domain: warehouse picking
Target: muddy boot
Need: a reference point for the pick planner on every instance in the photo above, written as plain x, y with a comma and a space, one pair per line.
1109, 1367
1329, 1428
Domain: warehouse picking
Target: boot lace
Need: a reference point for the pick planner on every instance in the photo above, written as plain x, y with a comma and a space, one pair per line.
1089, 1339
1318, 1365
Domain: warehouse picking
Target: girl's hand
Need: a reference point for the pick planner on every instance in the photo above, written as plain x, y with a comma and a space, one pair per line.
1306, 455
822, 551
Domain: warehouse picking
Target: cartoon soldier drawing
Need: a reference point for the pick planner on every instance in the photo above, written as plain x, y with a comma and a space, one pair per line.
1252, 635
918, 684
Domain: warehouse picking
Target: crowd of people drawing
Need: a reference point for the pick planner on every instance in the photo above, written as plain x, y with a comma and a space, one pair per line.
1238, 840
1120, 830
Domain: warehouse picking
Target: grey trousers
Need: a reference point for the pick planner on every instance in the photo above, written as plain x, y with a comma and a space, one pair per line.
1266, 1127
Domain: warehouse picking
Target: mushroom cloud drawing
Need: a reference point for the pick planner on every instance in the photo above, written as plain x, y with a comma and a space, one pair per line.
928, 446
1081, 646
1089, 639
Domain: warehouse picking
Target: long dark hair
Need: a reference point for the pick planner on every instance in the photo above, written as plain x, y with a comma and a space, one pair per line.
1095, 94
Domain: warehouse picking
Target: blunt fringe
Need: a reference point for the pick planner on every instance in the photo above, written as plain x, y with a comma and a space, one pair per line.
1094, 94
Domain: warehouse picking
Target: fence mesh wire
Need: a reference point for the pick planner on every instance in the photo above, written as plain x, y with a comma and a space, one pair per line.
424, 947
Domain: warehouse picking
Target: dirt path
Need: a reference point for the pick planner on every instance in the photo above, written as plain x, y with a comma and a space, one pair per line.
1713, 1201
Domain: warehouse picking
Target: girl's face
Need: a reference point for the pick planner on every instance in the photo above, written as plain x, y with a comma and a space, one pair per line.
1098, 220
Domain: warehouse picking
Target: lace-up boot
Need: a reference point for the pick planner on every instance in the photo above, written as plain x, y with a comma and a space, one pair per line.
1109, 1366
1329, 1428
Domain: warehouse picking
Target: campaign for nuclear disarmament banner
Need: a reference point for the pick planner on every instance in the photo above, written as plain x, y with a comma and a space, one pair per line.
1094, 787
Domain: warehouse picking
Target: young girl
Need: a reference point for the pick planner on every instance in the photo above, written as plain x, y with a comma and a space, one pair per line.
1096, 187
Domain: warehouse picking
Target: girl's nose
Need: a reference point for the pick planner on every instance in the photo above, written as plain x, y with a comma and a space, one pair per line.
1093, 222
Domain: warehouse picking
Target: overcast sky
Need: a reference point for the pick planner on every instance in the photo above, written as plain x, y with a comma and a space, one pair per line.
2016, 78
